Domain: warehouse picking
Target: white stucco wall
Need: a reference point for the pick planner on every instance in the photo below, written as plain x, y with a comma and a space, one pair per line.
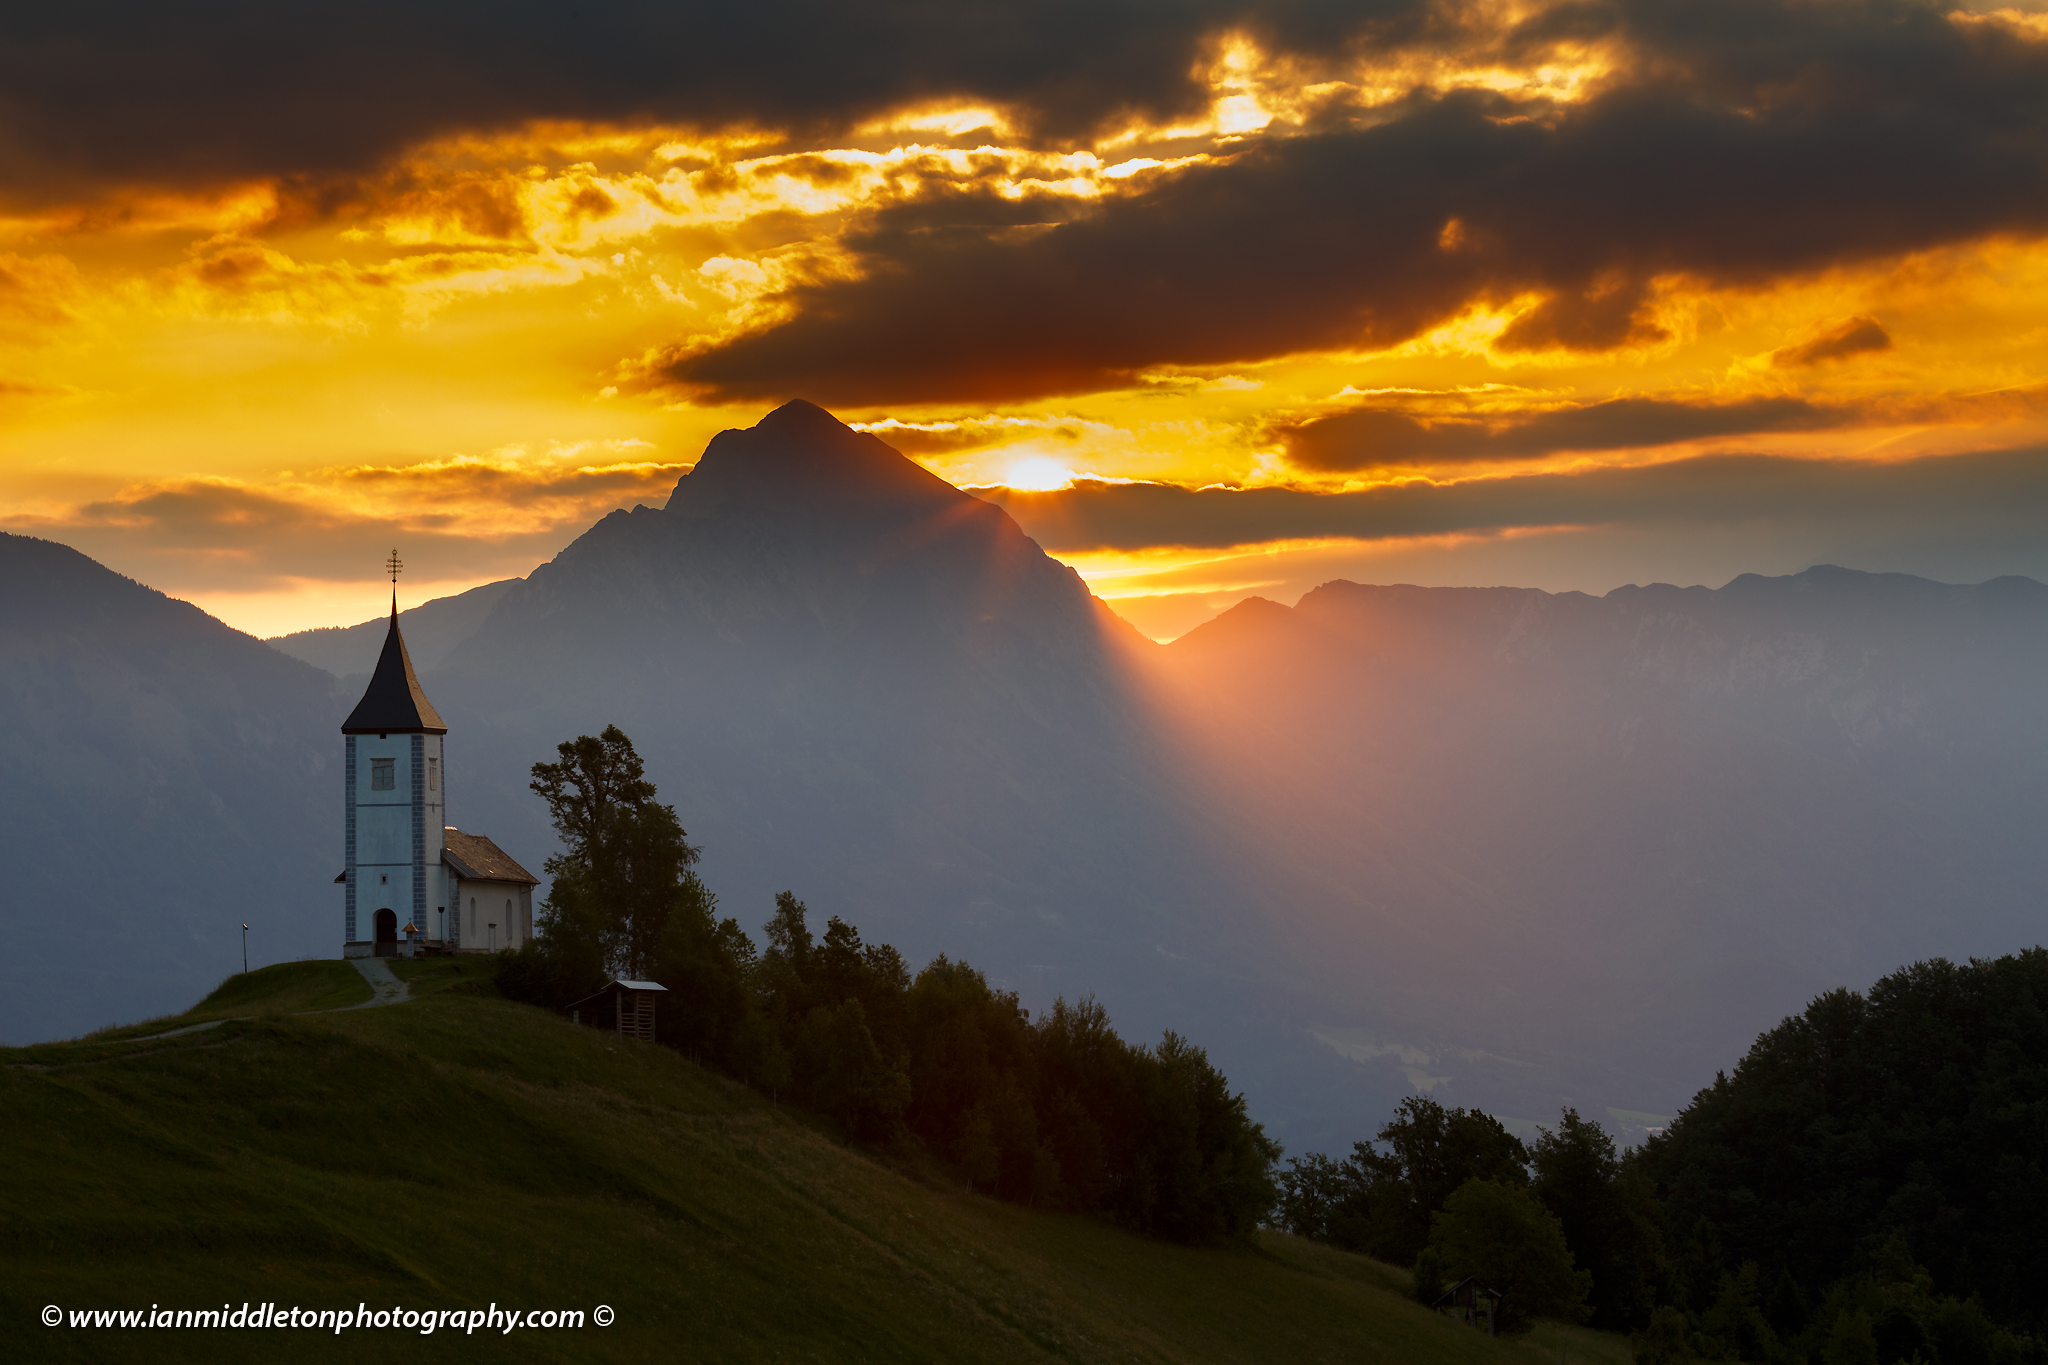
490, 900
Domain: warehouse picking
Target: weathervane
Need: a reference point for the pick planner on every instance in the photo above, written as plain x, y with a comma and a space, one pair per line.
395, 566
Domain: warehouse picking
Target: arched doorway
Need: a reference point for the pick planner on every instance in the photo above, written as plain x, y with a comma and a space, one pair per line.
387, 933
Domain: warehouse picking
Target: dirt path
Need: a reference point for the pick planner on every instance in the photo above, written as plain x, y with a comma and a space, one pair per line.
385, 987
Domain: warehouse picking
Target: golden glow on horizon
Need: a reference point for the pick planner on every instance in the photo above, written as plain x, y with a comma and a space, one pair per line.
1167, 590
1037, 474
461, 348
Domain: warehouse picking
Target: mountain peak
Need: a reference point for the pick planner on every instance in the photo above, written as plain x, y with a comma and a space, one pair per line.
798, 418
802, 457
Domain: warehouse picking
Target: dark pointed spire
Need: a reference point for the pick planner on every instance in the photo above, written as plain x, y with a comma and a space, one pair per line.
393, 704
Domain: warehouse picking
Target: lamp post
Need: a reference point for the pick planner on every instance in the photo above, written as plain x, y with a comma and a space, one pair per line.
245, 950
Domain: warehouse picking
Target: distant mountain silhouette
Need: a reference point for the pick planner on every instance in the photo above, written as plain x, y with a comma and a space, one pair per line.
1592, 845
163, 778
433, 629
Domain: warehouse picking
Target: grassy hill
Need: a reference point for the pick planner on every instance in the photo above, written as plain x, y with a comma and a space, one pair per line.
459, 1151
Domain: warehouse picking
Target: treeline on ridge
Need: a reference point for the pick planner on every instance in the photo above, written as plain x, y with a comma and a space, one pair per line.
1056, 1112
1871, 1183
1869, 1187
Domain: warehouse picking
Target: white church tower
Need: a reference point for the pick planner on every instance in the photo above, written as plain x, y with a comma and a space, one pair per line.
412, 878
396, 803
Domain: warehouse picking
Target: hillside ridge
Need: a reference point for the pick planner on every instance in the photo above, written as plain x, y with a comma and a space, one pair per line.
443, 1154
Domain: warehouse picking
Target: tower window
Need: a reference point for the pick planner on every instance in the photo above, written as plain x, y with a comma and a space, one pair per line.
382, 777
433, 774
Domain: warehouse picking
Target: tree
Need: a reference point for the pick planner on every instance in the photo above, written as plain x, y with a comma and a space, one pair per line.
704, 964
847, 1075
1664, 1341
1428, 1276
1608, 1217
1210, 1166
1912, 1108
1735, 1327
623, 855
553, 970
759, 1058
1500, 1234
1312, 1189
783, 976
1381, 1202
1073, 1140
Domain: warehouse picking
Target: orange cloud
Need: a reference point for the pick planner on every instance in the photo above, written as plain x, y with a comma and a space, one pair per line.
500, 516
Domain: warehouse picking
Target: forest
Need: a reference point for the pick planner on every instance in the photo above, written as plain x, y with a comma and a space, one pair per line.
1867, 1186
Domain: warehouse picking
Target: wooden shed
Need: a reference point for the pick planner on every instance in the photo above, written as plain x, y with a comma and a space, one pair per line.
627, 1008
1467, 1300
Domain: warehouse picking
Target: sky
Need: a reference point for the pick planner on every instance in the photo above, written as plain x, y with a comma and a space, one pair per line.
1217, 298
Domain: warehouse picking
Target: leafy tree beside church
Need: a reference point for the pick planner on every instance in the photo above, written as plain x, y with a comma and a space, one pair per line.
624, 856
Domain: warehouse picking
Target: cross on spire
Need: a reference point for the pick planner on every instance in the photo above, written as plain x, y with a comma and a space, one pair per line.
394, 566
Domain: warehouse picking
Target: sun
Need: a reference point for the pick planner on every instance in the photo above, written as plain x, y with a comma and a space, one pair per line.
1039, 474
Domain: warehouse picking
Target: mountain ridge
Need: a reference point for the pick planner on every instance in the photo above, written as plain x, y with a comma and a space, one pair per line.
165, 776
1668, 807
433, 629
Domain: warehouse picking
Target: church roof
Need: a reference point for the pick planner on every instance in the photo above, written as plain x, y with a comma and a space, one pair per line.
476, 859
393, 704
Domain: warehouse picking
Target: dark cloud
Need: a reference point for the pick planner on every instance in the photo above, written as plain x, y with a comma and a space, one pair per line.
2005, 490
1759, 140
1596, 319
1742, 141
1370, 438
968, 433
129, 91
1852, 336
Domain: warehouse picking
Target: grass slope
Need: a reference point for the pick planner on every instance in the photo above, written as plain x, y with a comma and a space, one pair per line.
458, 1151
284, 988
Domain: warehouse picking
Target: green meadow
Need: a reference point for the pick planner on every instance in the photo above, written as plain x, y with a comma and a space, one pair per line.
459, 1151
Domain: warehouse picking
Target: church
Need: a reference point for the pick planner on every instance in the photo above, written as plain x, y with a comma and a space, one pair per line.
412, 882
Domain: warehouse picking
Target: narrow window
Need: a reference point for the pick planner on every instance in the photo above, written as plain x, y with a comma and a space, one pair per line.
472, 916
381, 778
433, 774
508, 924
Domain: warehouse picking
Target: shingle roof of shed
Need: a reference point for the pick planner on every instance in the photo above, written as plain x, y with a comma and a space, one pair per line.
475, 858
615, 986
